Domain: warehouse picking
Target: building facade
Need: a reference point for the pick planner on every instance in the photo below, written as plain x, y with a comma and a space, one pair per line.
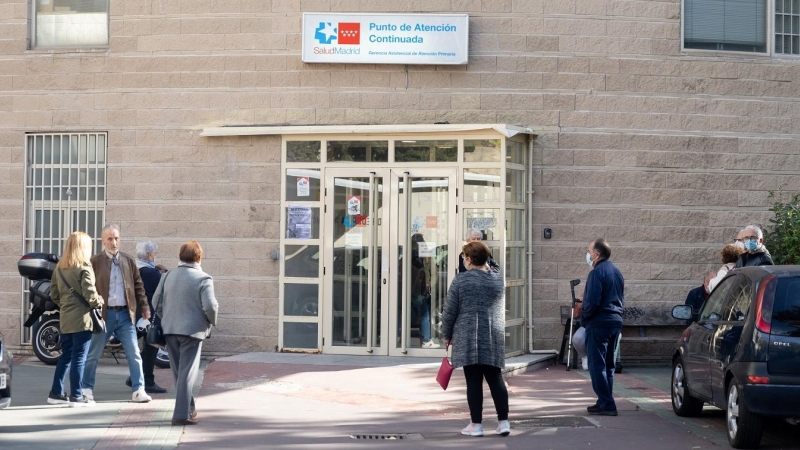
643, 122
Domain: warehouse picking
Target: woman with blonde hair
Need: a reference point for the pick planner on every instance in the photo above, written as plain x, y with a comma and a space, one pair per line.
74, 271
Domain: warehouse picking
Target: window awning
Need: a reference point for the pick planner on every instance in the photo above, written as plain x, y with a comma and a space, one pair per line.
256, 130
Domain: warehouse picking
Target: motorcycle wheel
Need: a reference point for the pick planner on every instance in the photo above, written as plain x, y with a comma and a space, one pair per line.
162, 359
46, 335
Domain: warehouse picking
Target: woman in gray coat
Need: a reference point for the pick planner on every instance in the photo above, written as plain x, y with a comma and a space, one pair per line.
474, 321
185, 302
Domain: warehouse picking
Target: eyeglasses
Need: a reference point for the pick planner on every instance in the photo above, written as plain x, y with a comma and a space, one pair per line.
738, 240
750, 238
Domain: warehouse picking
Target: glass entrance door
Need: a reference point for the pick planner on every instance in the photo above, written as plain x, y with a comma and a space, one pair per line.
388, 259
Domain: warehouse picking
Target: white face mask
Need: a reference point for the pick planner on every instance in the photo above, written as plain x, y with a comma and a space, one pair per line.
739, 244
589, 259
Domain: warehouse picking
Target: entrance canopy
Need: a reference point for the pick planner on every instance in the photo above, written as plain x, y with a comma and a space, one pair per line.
255, 130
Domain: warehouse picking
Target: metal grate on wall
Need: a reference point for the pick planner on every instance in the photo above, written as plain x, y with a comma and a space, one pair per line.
787, 27
65, 191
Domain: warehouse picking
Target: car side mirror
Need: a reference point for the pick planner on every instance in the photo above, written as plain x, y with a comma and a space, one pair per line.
682, 312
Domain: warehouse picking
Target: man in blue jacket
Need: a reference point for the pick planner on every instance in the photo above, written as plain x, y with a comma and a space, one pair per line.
601, 316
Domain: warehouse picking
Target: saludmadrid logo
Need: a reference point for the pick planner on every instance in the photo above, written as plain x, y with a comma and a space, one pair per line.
341, 33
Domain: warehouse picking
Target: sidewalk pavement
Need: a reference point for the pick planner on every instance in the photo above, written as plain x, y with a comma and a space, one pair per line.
295, 401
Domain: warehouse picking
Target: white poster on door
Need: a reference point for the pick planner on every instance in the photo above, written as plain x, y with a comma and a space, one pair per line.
427, 249
353, 240
354, 205
303, 187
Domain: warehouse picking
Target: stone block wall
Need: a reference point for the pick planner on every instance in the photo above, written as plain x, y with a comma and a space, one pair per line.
665, 154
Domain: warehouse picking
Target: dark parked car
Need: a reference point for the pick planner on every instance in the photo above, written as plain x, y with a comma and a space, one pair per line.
743, 352
6, 366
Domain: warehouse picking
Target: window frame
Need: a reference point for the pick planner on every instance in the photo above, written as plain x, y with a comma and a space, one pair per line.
770, 53
32, 44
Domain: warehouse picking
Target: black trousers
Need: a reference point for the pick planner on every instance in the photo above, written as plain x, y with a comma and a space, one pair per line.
149, 354
475, 375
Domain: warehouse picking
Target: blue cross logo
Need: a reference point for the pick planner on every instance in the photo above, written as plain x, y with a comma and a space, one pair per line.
326, 33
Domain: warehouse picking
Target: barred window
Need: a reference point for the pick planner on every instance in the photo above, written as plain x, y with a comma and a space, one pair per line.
65, 189
787, 27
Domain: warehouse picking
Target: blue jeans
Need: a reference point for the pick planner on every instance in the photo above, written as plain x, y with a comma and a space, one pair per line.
74, 349
120, 325
600, 344
421, 306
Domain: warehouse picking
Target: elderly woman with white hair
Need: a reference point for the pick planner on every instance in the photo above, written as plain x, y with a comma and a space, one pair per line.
145, 261
475, 235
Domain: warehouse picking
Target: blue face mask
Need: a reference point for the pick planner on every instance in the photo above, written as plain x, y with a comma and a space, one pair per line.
751, 245
589, 259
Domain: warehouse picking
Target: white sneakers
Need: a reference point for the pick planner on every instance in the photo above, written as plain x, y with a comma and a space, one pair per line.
473, 429
585, 363
503, 428
88, 394
139, 396
430, 344
476, 429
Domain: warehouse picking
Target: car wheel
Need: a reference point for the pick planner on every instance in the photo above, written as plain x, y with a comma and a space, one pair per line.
162, 359
683, 403
47, 339
744, 427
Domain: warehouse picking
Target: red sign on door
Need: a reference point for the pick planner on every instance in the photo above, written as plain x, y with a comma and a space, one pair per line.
431, 222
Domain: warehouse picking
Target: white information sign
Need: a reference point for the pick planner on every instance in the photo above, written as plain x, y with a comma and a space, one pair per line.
427, 249
385, 38
354, 239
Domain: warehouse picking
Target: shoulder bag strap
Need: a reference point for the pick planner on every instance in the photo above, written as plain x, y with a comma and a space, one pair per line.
73, 291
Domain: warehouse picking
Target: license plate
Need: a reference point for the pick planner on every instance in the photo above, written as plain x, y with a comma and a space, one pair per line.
2, 381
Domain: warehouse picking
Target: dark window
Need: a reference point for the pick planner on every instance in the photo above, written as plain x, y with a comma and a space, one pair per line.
786, 310
725, 25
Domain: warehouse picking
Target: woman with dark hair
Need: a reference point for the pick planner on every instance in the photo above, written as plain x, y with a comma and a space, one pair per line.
474, 321
185, 302
730, 254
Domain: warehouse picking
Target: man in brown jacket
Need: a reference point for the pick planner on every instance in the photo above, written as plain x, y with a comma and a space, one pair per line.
119, 283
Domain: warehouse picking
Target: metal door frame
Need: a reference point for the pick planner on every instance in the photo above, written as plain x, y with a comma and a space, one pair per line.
393, 226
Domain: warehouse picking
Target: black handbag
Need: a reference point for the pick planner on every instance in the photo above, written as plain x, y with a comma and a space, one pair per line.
155, 335
98, 324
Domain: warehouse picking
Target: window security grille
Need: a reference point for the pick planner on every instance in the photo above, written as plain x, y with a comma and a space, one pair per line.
65, 191
787, 27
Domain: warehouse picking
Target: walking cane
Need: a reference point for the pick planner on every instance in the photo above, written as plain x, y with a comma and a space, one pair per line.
572, 285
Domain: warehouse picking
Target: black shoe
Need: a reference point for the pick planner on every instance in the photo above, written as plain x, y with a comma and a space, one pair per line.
593, 408
54, 399
155, 389
182, 422
128, 382
603, 413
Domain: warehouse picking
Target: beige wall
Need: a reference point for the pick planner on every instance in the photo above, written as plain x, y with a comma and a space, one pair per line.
664, 154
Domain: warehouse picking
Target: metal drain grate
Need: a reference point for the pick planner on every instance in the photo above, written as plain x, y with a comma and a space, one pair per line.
553, 422
387, 437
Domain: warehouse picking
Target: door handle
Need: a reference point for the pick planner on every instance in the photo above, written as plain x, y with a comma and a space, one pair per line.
384, 281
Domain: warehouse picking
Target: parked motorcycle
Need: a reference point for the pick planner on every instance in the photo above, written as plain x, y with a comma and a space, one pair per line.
44, 318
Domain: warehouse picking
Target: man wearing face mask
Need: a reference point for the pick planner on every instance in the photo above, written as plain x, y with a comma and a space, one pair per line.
756, 254
601, 316
739, 239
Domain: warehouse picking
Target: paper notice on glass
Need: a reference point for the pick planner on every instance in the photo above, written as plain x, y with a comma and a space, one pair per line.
303, 187
354, 205
298, 222
427, 249
353, 239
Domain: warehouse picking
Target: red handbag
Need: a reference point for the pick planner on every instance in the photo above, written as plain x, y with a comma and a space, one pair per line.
445, 371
